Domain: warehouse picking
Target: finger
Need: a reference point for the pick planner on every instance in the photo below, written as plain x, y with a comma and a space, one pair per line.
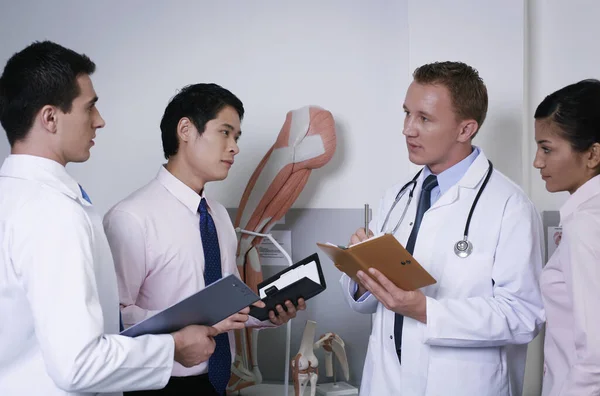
244, 318
358, 281
236, 317
291, 310
237, 325
222, 324
273, 318
283, 317
379, 292
301, 305
354, 239
361, 233
239, 318
370, 284
259, 304
384, 281
245, 311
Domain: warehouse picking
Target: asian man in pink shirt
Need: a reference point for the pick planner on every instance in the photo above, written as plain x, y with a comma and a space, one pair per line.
169, 239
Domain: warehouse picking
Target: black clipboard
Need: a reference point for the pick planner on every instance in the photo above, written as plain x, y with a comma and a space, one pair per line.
302, 280
209, 306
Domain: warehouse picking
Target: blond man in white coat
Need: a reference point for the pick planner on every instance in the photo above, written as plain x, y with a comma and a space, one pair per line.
465, 335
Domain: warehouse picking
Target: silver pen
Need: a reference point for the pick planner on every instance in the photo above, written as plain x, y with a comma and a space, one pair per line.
367, 220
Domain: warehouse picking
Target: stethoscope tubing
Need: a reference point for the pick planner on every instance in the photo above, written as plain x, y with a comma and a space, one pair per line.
413, 182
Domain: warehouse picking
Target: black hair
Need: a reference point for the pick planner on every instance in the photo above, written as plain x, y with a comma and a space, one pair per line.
575, 109
198, 102
44, 73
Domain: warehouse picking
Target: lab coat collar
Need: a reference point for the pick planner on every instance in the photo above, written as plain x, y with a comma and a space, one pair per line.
475, 173
43, 170
448, 178
588, 190
471, 180
180, 190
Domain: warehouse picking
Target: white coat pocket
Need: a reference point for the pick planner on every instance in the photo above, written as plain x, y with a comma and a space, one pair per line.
467, 277
468, 372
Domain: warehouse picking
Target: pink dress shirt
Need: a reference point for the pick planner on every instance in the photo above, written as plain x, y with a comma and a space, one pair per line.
155, 240
570, 285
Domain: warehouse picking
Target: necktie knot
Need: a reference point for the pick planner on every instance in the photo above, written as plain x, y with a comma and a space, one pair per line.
430, 183
203, 207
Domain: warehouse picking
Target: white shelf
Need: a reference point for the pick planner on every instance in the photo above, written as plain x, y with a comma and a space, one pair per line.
327, 389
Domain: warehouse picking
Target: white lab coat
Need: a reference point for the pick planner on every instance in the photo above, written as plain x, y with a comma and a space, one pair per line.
59, 305
482, 311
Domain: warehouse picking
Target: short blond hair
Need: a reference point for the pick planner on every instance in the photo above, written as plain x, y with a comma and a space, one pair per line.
467, 90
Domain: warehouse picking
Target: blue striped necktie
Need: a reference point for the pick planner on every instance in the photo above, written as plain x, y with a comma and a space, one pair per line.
87, 198
219, 364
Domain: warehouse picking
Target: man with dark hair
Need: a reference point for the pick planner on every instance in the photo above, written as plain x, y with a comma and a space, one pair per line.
467, 333
58, 292
169, 240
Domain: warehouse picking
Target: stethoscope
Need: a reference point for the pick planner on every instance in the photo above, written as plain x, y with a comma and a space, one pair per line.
462, 248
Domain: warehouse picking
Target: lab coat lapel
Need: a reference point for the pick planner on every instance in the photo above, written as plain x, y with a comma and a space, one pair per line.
475, 173
471, 179
433, 263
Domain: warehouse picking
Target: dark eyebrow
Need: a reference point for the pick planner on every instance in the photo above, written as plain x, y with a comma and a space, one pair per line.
230, 127
93, 101
543, 141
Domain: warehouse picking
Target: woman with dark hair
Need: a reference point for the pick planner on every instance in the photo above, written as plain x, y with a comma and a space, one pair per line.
567, 132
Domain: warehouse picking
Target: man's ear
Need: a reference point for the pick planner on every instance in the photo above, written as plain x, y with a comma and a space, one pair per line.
468, 129
49, 118
185, 129
593, 157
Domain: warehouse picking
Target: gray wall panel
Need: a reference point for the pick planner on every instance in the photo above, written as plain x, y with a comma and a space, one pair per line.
328, 309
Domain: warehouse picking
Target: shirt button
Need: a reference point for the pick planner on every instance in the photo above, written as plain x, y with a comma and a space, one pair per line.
391, 337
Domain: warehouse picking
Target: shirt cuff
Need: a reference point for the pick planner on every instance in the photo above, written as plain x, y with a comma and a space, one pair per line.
355, 289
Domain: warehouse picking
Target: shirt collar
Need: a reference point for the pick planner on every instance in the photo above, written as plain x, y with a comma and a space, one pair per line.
43, 170
588, 190
180, 190
452, 175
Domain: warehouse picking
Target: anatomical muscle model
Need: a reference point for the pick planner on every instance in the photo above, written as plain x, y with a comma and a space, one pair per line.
306, 141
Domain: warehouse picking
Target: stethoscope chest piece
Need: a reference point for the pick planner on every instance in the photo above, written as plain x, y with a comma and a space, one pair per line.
463, 248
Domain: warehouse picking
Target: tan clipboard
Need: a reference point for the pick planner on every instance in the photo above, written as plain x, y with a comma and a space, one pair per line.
383, 253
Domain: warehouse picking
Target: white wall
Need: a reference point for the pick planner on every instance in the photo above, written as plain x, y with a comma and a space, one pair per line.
489, 37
